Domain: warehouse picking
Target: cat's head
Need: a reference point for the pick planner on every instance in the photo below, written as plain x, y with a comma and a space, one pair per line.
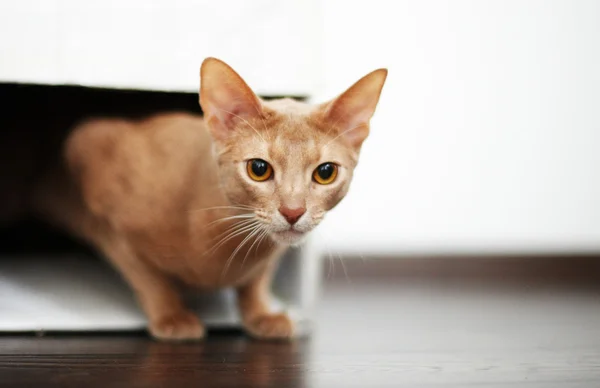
285, 161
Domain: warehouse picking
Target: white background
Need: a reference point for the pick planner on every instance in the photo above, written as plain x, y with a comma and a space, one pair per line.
487, 137
159, 44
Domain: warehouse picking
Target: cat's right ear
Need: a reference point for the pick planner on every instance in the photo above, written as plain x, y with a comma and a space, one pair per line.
225, 98
351, 112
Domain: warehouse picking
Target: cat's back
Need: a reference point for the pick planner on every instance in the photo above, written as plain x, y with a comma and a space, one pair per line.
164, 136
134, 168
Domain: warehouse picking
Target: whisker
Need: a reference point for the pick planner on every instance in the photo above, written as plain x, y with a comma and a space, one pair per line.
236, 225
362, 257
243, 216
233, 234
256, 240
264, 235
331, 264
344, 268
242, 205
236, 250
237, 207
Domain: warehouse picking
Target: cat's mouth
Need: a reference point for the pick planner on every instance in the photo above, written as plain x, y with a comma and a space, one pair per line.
288, 236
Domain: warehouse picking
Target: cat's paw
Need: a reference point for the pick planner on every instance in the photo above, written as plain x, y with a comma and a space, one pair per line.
182, 326
271, 326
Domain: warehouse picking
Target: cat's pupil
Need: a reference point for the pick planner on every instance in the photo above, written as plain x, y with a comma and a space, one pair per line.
325, 171
259, 167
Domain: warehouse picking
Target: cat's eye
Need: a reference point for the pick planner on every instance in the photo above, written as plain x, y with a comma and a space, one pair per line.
259, 170
325, 173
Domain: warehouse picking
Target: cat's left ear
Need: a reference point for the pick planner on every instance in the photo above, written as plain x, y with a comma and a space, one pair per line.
351, 112
225, 98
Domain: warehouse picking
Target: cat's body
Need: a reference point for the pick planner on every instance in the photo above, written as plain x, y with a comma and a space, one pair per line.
153, 183
176, 200
147, 192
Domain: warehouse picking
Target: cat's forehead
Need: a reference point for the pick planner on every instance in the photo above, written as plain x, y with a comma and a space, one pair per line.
304, 148
299, 148
291, 134
294, 139
292, 124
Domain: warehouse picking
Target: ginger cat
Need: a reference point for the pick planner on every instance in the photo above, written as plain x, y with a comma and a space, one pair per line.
209, 202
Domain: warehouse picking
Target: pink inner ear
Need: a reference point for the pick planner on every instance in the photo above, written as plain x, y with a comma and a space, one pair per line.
224, 101
225, 98
351, 112
351, 116
357, 134
227, 113
225, 109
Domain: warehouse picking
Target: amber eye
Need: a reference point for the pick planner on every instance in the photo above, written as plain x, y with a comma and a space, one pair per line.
259, 170
325, 173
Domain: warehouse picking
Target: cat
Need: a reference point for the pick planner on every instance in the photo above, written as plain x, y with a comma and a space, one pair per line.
209, 202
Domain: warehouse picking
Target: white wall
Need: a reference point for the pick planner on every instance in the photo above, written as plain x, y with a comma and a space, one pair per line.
487, 137
159, 44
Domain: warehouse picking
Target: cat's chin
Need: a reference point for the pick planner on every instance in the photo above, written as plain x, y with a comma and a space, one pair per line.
289, 237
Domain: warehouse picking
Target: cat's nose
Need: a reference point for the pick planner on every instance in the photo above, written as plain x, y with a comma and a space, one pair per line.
292, 215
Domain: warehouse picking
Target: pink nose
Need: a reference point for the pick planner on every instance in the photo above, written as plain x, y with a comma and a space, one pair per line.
292, 215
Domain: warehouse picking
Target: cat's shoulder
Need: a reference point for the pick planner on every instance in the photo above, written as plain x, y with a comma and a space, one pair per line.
134, 167
108, 138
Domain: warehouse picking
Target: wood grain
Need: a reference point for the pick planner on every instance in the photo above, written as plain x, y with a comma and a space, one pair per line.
407, 332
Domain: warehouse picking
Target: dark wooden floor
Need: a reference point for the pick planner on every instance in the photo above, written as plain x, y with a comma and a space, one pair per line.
414, 331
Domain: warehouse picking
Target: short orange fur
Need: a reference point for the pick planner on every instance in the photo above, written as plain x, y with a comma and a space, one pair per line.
168, 200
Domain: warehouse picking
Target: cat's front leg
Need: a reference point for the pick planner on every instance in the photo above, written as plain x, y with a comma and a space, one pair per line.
254, 303
168, 317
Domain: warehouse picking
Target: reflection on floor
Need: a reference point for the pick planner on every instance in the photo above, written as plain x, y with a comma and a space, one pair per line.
420, 334
387, 331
